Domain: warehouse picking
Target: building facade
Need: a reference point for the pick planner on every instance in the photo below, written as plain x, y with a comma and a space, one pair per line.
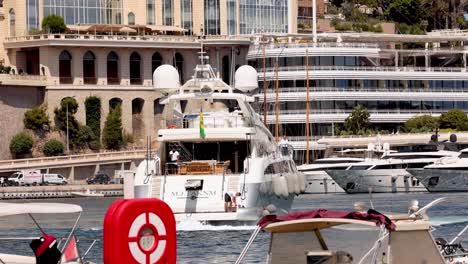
112, 47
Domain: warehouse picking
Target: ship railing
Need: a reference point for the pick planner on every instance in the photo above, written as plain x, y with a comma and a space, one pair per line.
372, 111
259, 48
228, 121
365, 68
197, 167
371, 89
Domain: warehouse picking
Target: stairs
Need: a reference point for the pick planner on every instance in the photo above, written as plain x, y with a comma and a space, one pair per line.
156, 187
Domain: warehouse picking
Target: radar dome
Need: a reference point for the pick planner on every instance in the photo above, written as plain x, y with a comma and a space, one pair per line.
246, 79
166, 79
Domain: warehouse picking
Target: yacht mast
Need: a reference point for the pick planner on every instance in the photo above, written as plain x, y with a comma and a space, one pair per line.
314, 20
264, 88
276, 102
307, 108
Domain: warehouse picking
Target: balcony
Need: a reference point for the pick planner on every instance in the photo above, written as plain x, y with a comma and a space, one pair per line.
23, 80
121, 41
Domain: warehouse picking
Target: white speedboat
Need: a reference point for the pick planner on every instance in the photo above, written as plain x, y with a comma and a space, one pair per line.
388, 174
46, 247
228, 167
87, 193
325, 236
317, 179
448, 174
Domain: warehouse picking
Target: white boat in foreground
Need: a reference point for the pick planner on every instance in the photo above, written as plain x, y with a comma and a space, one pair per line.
228, 167
304, 237
45, 248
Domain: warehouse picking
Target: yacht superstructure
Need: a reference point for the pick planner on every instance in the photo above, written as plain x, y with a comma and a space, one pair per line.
387, 174
396, 77
228, 166
448, 174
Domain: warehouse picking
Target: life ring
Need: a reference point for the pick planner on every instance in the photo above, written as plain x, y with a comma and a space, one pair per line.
147, 238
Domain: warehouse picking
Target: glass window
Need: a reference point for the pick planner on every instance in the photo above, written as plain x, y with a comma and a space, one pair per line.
113, 68
156, 61
167, 12
85, 11
231, 17
65, 60
186, 17
32, 14
131, 18
150, 12
12, 21
212, 22
89, 71
135, 68
267, 16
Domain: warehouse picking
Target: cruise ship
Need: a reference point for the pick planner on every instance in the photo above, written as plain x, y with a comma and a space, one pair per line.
396, 77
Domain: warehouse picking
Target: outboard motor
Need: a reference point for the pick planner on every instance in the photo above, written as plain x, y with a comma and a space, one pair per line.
45, 249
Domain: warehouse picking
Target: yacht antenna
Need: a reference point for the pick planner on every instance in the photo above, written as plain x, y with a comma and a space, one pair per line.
307, 108
314, 20
265, 107
276, 103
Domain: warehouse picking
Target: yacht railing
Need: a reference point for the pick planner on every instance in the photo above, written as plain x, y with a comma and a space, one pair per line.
259, 48
372, 111
208, 122
365, 68
370, 89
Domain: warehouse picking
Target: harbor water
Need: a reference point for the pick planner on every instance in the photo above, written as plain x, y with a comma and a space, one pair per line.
197, 243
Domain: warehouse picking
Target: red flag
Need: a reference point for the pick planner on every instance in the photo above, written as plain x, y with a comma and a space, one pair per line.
71, 253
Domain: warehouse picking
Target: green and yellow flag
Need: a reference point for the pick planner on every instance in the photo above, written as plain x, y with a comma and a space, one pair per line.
202, 126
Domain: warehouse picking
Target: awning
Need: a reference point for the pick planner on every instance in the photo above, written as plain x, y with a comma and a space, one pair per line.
7, 209
127, 30
83, 28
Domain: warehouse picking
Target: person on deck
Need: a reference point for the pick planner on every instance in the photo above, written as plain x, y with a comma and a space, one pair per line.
284, 145
174, 156
227, 202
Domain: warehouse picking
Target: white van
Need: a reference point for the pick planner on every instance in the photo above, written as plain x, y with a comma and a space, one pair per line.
53, 178
25, 177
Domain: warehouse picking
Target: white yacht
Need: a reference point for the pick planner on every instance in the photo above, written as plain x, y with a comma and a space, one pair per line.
230, 168
317, 178
388, 174
448, 174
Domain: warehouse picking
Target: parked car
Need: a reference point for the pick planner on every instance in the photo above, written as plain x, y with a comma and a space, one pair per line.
100, 178
53, 178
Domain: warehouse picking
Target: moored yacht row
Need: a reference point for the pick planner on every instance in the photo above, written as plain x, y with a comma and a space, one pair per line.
434, 171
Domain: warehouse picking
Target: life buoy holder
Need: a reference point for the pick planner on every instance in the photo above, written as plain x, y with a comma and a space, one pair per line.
139, 231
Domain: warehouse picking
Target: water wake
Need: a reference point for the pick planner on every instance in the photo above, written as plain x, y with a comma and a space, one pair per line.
193, 225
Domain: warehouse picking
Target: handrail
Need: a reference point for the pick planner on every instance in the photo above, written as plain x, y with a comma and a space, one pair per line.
22, 77
366, 68
99, 156
370, 89
372, 111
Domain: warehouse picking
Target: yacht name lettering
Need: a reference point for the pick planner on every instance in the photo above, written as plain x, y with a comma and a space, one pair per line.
194, 193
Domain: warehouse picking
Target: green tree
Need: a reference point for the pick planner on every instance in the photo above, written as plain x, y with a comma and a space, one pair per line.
53, 147
113, 132
454, 119
36, 118
421, 124
406, 11
53, 24
358, 121
21, 144
93, 114
61, 116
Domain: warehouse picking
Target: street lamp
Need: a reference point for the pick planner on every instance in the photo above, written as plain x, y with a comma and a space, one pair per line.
68, 139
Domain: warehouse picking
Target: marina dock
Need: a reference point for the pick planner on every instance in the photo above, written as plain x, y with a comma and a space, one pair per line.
41, 192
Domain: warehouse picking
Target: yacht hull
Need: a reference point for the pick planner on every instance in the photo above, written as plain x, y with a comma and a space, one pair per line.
319, 182
437, 180
377, 181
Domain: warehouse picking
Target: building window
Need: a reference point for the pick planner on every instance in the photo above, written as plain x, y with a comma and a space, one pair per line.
179, 64
32, 14
212, 24
135, 68
263, 16
118, 18
12, 23
156, 61
65, 60
84, 11
167, 12
113, 68
186, 17
131, 18
231, 17
89, 68
150, 12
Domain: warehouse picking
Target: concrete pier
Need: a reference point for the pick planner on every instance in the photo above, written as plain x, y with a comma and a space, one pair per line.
62, 191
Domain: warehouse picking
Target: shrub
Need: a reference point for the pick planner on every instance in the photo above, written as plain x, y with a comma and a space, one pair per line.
93, 114
83, 137
112, 133
36, 118
421, 124
358, 122
455, 119
127, 138
53, 147
53, 24
61, 117
21, 143
344, 27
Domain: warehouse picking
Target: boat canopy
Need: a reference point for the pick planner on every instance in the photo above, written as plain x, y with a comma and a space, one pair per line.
319, 219
8, 209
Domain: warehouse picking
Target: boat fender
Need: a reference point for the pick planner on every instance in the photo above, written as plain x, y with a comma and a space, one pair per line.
291, 184
276, 185
283, 186
139, 231
297, 187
